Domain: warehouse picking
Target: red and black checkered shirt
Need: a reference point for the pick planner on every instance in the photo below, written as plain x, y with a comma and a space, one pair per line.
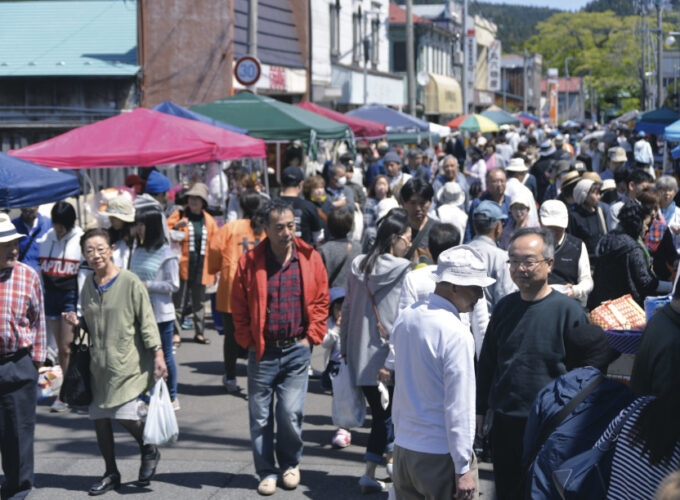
22, 316
284, 298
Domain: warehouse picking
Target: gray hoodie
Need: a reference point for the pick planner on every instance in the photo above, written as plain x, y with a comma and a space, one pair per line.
362, 345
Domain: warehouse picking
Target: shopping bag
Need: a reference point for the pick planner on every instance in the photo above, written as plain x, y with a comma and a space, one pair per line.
49, 381
161, 423
76, 387
619, 314
349, 406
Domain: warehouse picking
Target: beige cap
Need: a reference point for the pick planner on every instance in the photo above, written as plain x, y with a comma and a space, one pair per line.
617, 154
120, 207
200, 190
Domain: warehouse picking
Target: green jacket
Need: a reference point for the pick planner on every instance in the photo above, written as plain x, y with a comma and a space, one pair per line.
122, 331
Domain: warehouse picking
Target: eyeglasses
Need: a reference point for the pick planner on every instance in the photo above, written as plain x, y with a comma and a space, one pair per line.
529, 265
89, 252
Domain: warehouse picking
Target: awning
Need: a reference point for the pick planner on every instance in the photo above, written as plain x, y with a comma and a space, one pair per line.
443, 95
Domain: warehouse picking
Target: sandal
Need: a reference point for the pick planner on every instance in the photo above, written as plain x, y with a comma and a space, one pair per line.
200, 339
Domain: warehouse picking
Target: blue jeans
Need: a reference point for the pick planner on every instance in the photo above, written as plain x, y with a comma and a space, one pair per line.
166, 329
284, 372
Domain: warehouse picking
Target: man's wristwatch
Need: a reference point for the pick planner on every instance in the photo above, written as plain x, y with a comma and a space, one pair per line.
157, 348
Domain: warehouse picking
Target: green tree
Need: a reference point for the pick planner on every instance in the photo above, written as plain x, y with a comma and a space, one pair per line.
598, 43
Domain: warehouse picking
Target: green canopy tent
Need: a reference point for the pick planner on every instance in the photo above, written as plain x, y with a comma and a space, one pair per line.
500, 116
272, 120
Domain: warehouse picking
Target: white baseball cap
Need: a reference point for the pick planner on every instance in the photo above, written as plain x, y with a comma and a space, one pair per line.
464, 266
554, 213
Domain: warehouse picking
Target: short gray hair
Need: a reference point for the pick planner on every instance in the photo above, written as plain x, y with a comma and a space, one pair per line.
333, 169
447, 157
666, 183
545, 234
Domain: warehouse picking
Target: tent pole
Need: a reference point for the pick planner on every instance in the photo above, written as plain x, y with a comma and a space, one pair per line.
264, 171
80, 180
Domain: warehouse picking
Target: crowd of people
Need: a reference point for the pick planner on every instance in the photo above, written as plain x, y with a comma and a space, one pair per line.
451, 281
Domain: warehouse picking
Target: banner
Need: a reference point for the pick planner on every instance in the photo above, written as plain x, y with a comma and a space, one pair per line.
493, 61
552, 96
470, 62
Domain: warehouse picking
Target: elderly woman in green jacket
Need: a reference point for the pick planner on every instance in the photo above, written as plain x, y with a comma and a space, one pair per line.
126, 354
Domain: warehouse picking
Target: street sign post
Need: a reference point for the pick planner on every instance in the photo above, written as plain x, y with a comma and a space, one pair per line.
247, 70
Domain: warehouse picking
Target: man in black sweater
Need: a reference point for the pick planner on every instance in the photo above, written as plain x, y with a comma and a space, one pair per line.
523, 350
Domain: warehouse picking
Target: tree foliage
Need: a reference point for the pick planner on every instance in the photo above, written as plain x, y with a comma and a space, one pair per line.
598, 43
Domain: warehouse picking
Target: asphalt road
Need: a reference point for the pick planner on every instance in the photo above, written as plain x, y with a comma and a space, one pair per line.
212, 458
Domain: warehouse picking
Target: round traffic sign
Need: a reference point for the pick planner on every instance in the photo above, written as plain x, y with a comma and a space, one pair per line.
247, 70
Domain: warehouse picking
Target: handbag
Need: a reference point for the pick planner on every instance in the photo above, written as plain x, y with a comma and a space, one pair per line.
161, 422
619, 314
76, 389
349, 407
586, 476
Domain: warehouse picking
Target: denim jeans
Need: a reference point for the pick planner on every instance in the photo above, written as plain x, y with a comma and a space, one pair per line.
381, 438
166, 329
282, 372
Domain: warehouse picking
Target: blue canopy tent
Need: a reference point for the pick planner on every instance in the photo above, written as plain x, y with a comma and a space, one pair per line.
656, 121
672, 132
401, 127
25, 184
170, 108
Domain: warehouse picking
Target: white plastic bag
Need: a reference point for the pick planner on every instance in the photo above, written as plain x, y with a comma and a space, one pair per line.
161, 423
349, 406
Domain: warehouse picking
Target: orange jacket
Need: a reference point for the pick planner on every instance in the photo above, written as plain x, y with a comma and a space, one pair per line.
231, 241
249, 296
211, 226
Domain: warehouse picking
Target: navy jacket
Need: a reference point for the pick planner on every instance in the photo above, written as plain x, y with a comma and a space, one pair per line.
577, 433
31, 254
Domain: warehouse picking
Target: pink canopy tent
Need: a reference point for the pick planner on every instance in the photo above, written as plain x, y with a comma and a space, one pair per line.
362, 129
141, 138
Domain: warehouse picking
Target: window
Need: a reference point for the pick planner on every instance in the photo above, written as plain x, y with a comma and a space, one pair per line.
398, 56
375, 41
335, 28
357, 42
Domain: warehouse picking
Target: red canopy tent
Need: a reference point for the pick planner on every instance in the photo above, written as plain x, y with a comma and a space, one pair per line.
141, 138
362, 129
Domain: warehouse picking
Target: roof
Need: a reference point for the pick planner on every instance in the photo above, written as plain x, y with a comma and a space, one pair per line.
432, 11
397, 15
68, 38
574, 84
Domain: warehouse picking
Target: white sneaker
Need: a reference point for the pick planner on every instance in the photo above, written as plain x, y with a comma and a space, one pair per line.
175, 404
58, 406
369, 485
230, 384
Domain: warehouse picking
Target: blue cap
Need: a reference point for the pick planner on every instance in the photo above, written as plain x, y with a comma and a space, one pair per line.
641, 133
157, 183
489, 210
336, 293
391, 157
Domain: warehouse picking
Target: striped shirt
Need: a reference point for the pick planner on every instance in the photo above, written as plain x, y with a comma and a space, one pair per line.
631, 475
284, 297
22, 315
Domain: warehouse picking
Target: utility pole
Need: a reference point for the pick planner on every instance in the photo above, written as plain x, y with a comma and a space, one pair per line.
525, 86
252, 31
566, 87
659, 54
643, 72
410, 59
465, 58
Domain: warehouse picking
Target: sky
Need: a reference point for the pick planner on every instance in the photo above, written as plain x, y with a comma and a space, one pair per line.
556, 4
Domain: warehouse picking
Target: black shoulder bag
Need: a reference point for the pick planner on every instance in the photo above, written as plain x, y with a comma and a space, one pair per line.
76, 389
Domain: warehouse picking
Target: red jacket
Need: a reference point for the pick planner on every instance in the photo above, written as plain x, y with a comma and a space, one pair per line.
249, 296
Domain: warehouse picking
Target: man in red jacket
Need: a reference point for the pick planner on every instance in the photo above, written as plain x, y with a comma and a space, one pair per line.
280, 305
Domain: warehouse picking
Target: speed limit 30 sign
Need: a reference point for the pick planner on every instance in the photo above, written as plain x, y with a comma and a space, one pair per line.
247, 70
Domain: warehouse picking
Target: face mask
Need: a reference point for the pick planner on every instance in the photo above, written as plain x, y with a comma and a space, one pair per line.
342, 181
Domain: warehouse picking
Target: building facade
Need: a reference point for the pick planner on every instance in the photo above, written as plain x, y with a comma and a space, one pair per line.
350, 54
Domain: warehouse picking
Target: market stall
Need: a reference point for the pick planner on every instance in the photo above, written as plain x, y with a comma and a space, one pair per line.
170, 108
501, 117
401, 128
473, 123
25, 184
362, 129
655, 122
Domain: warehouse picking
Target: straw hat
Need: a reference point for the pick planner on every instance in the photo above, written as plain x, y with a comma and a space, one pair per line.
120, 207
